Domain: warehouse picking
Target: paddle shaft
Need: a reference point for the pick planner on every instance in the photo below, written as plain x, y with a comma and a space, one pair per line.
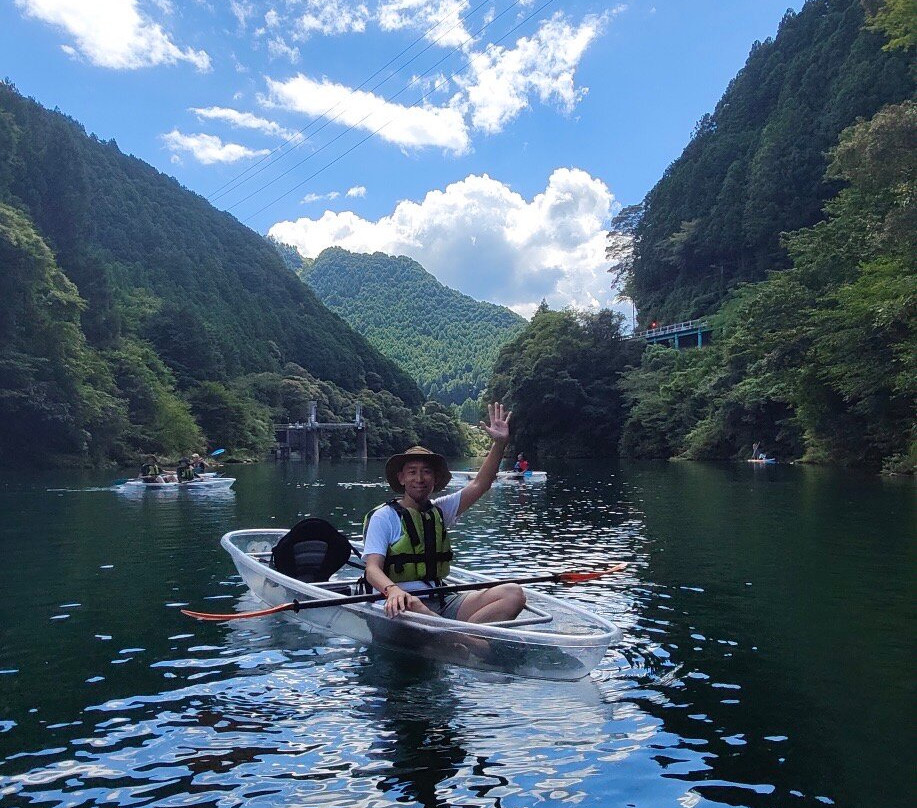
297, 606
422, 593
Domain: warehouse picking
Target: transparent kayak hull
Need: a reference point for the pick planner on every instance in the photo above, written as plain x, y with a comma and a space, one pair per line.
205, 484
551, 639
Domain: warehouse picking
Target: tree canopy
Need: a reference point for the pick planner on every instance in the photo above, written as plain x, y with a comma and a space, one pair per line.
447, 341
136, 317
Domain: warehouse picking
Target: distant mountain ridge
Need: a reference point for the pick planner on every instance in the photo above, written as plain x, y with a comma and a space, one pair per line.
446, 340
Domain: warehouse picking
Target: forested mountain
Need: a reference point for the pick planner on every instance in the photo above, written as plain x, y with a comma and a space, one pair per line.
817, 361
446, 340
756, 167
136, 317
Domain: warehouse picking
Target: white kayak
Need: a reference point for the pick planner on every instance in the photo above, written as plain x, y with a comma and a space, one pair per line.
550, 639
465, 477
204, 484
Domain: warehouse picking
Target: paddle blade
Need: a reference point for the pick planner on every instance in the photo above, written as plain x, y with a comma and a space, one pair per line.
283, 607
217, 452
579, 577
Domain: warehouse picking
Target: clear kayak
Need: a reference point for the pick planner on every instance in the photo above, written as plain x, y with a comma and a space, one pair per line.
464, 477
204, 484
550, 639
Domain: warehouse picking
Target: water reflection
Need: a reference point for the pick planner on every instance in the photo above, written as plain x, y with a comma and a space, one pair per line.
766, 657
412, 708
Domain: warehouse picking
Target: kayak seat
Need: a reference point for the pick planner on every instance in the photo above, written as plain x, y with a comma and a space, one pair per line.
312, 551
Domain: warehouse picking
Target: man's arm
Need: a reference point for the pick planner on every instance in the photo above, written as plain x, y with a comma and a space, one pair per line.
498, 429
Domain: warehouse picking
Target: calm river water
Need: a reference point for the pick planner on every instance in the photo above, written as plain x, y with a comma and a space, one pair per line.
768, 652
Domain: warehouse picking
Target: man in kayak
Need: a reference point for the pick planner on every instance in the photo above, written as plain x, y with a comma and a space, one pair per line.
150, 471
522, 465
185, 471
406, 546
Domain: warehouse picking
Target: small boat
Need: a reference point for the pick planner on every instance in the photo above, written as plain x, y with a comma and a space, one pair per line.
760, 457
523, 476
465, 477
205, 484
550, 639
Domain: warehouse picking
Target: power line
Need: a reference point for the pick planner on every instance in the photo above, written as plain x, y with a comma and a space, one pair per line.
297, 141
375, 132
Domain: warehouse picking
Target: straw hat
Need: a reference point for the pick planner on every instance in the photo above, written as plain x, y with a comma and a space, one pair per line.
438, 462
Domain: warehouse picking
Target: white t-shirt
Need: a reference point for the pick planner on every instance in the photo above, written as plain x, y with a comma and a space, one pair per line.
384, 529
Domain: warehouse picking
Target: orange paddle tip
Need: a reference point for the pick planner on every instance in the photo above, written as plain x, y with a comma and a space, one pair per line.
577, 577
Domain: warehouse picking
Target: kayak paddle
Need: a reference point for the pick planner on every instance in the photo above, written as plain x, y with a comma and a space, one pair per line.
297, 606
217, 452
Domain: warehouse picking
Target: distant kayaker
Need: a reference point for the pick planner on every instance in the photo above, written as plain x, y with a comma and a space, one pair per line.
185, 472
198, 463
406, 545
150, 471
522, 465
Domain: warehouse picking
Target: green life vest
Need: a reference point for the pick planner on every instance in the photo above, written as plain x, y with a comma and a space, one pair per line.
423, 545
185, 474
150, 470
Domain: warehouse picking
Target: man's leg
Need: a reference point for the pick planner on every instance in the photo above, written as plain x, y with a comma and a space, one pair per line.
502, 602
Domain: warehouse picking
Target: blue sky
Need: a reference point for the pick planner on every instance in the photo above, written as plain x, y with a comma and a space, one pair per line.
491, 141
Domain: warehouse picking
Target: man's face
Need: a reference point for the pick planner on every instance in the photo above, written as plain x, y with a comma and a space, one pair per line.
418, 479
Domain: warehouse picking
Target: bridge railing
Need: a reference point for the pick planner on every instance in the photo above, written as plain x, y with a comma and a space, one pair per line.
675, 328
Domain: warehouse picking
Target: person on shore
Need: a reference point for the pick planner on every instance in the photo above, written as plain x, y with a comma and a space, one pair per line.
522, 465
406, 544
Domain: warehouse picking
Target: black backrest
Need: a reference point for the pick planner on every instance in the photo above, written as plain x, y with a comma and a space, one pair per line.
312, 551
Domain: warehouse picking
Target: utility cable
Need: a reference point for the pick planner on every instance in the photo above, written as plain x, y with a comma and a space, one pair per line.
389, 100
297, 140
374, 133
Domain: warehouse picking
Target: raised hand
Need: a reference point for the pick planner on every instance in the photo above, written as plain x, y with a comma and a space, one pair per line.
498, 429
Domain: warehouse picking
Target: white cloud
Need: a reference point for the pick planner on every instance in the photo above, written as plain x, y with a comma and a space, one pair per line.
308, 199
357, 191
330, 17
500, 80
410, 127
113, 33
242, 11
277, 48
497, 87
484, 239
441, 20
244, 120
209, 149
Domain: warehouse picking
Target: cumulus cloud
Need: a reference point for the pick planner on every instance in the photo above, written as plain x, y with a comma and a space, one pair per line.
440, 20
484, 239
113, 33
243, 120
500, 81
496, 87
209, 149
357, 191
405, 125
